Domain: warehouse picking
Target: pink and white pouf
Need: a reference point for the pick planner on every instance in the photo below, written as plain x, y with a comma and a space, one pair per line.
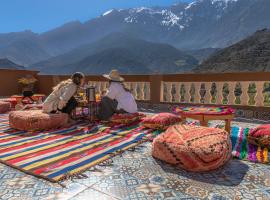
4, 107
36, 120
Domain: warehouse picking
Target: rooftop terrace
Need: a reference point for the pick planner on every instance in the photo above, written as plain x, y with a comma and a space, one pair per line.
135, 174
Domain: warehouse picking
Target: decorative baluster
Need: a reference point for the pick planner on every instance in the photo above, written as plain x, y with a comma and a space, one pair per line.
147, 91
102, 87
219, 96
137, 91
259, 98
207, 97
197, 96
187, 94
128, 85
98, 87
133, 88
231, 96
140, 92
177, 94
244, 97
169, 92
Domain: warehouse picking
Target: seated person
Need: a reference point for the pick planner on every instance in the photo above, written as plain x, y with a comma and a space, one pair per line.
62, 97
118, 99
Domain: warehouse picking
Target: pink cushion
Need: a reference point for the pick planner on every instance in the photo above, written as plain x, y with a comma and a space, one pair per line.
126, 118
161, 121
4, 107
12, 101
260, 136
36, 120
193, 148
261, 131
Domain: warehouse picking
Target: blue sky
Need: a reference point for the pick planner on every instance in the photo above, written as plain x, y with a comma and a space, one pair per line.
43, 15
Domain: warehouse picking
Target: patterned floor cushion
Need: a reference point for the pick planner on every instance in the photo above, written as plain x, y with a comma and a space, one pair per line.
12, 101
260, 136
36, 120
4, 107
126, 118
161, 121
193, 148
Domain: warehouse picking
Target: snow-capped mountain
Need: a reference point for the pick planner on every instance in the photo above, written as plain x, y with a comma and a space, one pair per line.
190, 26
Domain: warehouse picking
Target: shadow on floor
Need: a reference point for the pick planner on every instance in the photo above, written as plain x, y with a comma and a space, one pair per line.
231, 174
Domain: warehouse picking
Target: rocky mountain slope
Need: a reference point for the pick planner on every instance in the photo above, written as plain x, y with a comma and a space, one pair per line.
250, 54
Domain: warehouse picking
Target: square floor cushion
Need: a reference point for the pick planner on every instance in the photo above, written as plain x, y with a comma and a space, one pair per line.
260, 136
193, 148
160, 121
4, 107
36, 120
126, 118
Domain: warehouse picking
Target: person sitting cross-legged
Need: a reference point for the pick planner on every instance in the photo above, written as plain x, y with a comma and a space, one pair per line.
118, 99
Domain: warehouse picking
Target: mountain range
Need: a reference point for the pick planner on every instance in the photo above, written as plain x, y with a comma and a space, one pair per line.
7, 64
196, 28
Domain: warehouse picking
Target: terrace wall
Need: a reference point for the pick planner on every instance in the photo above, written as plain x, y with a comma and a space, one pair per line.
249, 93
9, 78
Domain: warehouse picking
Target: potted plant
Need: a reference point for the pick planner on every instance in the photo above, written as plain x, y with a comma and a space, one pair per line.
27, 83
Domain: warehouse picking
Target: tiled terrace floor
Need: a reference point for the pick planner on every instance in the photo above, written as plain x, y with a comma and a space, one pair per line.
136, 175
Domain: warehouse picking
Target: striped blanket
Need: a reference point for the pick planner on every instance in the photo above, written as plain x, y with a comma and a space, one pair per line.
242, 150
56, 155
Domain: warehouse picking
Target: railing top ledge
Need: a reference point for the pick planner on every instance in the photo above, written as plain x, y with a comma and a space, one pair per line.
218, 77
18, 70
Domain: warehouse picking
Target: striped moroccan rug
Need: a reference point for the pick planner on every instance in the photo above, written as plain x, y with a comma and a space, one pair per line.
242, 150
56, 155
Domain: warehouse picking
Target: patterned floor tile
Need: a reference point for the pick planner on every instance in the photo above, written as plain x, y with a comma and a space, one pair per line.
71, 190
91, 194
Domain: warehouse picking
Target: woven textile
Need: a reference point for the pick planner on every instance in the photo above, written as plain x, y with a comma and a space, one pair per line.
244, 150
59, 154
126, 118
36, 120
193, 148
160, 121
4, 107
198, 110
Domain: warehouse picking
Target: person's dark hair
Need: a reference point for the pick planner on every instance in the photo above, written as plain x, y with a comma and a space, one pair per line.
77, 77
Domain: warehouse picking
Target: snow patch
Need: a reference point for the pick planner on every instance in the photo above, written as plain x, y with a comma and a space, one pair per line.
108, 12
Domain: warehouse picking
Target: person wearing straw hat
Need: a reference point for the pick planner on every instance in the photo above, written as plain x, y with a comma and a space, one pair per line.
118, 99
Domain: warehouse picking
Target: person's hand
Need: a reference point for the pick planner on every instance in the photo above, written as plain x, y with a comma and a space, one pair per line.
61, 104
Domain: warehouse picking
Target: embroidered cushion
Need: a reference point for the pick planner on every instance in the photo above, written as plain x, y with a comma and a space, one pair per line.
161, 121
193, 148
12, 101
126, 118
4, 107
36, 120
260, 136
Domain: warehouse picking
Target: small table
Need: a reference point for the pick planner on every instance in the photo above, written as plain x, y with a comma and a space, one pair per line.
205, 114
86, 110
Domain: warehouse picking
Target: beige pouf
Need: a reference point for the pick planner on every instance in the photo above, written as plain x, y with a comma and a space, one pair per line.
36, 120
4, 107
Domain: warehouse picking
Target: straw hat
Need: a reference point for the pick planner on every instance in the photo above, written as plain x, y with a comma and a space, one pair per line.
114, 76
